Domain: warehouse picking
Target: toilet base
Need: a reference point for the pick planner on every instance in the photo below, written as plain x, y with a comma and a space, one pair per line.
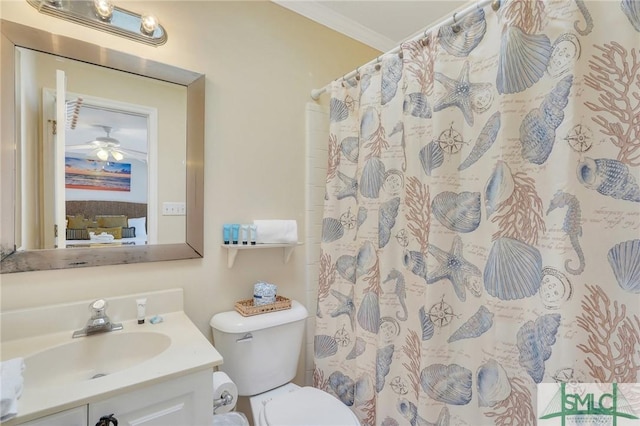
230, 419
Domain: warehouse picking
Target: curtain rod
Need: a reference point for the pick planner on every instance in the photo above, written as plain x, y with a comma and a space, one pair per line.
495, 4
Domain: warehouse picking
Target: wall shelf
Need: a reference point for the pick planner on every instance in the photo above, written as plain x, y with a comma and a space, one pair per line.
233, 249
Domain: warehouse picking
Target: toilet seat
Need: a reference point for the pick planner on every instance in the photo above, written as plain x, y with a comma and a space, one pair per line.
306, 406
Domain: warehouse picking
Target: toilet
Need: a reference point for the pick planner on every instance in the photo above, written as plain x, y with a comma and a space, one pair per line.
261, 355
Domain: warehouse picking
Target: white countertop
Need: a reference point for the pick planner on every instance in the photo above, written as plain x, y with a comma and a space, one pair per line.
188, 352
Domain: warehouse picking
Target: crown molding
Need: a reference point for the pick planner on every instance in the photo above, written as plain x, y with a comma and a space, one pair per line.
337, 22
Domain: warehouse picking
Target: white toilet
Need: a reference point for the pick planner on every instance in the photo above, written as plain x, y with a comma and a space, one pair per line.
261, 357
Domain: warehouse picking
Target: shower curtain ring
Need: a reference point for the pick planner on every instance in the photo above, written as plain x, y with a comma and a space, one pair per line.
455, 27
425, 40
358, 74
378, 63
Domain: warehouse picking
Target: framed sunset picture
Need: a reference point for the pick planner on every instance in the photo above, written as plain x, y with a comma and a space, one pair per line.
95, 175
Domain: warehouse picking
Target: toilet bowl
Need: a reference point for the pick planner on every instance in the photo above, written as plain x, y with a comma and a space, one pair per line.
292, 405
261, 355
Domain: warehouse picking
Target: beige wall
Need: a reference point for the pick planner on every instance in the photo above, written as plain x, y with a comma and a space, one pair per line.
261, 61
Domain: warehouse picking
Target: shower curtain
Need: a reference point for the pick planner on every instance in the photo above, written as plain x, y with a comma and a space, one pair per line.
481, 230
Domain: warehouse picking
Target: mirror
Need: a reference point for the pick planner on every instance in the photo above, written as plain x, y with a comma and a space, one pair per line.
114, 146
16, 35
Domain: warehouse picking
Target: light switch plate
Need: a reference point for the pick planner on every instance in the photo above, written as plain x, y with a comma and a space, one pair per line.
174, 209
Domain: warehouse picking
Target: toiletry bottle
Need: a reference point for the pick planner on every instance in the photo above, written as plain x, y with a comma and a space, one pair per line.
141, 304
253, 232
226, 233
244, 234
235, 230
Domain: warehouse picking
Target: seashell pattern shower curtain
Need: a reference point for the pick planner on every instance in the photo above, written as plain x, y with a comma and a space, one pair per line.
481, 231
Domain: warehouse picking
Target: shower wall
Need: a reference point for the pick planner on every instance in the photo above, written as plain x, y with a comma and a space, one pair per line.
317, 134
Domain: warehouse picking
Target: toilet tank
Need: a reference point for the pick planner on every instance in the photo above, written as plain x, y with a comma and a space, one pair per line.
260, 352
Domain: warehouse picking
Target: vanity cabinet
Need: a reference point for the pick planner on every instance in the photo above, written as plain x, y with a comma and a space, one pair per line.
183, 401
187, 400
73, 417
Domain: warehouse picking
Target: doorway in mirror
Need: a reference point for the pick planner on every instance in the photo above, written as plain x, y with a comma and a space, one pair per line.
110, 153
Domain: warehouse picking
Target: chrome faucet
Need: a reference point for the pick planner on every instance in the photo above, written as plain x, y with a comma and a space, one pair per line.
99, 321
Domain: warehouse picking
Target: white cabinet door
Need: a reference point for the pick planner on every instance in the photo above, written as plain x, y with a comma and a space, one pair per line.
184, 401
73, 417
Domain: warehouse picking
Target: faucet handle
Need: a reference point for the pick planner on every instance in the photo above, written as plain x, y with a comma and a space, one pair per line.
99, 322
98, 308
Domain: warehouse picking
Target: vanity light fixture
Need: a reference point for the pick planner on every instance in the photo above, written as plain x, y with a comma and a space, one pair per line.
148, 24
104, 9
103, 15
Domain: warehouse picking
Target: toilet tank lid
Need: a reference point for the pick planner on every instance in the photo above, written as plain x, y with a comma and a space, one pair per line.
233, 322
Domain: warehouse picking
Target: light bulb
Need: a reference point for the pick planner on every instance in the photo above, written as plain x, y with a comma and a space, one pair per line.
117, 155
102, 154
104, 9
148, 24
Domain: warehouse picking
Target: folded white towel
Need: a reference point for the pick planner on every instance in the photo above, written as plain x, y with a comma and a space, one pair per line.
276, 231
101, 238
11, 385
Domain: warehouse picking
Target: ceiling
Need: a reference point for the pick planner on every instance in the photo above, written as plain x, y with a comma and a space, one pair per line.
129, 128
379, 24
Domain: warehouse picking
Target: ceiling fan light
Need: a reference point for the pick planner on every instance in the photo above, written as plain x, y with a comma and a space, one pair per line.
102, 154
117, 155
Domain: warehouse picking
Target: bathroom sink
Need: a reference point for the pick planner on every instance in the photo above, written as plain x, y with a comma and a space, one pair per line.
92, 357
64, 373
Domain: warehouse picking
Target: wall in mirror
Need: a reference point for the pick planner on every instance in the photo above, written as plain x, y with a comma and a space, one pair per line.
136, 123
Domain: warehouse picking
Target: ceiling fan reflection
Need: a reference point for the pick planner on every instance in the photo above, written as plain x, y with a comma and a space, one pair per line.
104, 147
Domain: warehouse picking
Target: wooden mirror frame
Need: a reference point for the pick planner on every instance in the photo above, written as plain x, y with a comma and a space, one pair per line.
14, 34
